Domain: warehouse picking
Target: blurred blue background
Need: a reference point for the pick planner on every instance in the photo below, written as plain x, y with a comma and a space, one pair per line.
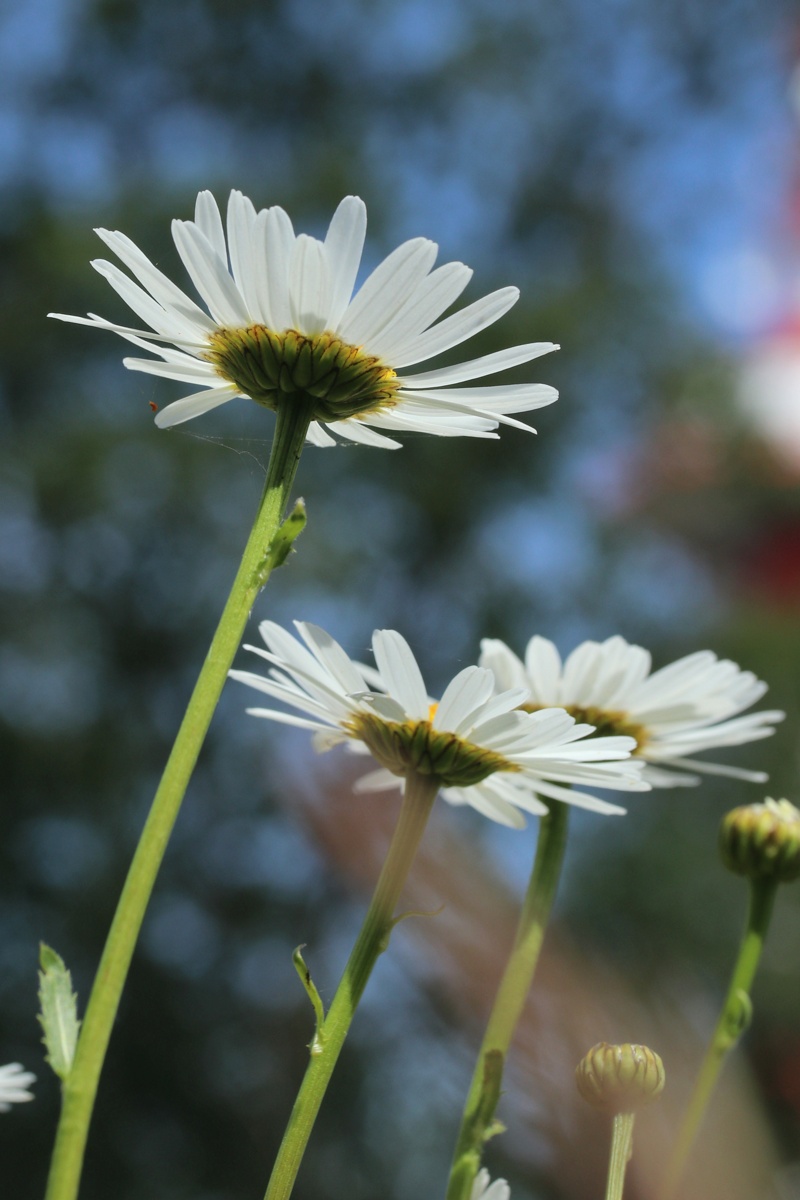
634, 170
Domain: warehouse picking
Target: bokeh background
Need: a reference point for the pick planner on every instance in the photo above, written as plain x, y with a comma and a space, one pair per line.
633, 167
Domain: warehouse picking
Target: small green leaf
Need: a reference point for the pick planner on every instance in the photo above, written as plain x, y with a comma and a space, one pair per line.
737, 1019
59, 1011
281, 545
463, 1175
314, 997
485, 1125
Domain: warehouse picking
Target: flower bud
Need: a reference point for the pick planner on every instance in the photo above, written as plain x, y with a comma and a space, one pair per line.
620, 1079
762, 841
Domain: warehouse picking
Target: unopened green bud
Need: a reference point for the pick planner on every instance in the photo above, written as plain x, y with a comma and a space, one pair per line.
762, 841
620, 1079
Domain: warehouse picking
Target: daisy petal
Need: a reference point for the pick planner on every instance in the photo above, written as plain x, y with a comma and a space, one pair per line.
242, 248
465, 694
355, 431
476, 368
457, 328
191, 371
210, 275
192, 406
399, 668
344, 244
277, 242
378, 781
162, 289
209, 221
309, 285
328, 652
436, 293
318, 437
377, 299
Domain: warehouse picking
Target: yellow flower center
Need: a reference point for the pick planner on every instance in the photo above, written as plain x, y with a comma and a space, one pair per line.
409, 746
607, 724
273, 368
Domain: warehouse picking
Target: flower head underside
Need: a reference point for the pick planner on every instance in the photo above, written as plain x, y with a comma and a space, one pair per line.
691, 705
477, 744
283, 325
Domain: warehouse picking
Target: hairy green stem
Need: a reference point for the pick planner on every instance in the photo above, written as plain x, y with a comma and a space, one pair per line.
420, 793
477, 1121
733, 1020
621, 1151
80, 1086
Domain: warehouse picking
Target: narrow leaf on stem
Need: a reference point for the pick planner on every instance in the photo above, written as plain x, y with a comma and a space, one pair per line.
59, 1011
314, 997
282, 543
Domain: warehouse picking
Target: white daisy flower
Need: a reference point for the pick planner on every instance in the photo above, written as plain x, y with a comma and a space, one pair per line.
14, 1082
482, 1189
673, 713
477, 743
283, 326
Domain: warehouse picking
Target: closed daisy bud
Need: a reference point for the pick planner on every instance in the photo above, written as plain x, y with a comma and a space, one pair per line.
762, 841
620, 1079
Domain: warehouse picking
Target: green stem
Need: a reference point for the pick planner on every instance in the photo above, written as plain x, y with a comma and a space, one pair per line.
733, 1020
621, 1151
420, 793
476, 1124
80, 1086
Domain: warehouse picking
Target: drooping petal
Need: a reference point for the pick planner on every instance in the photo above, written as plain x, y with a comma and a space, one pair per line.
192, 406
